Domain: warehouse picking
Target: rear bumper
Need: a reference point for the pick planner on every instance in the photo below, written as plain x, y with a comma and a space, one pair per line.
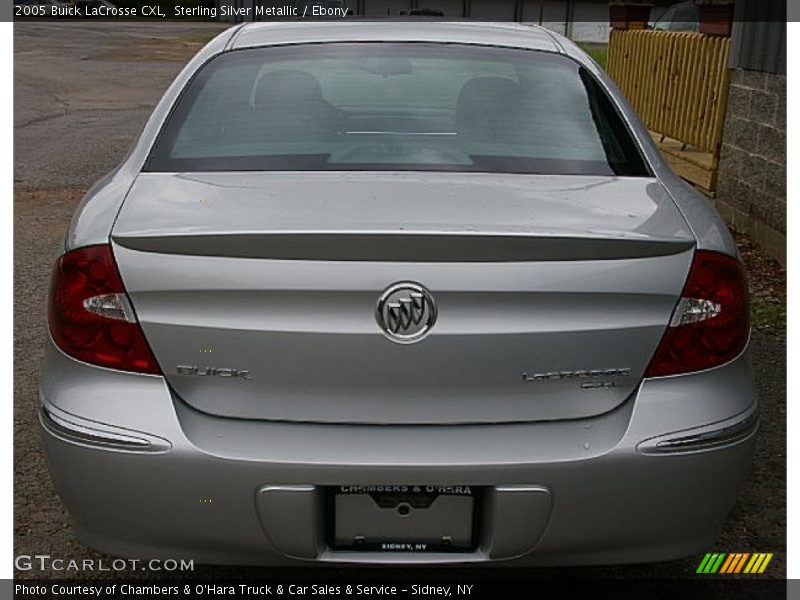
591, 491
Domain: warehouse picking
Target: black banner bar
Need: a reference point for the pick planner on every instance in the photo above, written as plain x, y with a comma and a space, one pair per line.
466, 587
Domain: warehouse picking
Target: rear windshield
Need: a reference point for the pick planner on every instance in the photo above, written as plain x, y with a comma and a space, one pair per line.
395, 106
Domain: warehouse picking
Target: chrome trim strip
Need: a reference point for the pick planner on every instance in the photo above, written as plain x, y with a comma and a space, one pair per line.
723, 433
80, 431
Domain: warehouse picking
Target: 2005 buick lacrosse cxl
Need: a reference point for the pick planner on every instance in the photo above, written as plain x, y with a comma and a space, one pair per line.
397, 292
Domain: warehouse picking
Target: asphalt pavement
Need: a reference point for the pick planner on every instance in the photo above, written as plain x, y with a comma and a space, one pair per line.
82, 91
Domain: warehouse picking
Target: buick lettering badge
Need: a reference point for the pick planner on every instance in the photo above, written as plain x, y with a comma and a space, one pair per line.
405, 312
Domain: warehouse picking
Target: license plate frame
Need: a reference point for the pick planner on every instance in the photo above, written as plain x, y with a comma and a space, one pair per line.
403, 518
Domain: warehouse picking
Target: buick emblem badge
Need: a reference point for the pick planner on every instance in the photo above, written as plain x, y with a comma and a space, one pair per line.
405, 312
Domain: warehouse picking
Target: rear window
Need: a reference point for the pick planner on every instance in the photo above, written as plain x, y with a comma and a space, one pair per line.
395, 106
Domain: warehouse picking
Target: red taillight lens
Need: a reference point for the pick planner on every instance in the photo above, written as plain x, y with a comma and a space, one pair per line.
711, 323
90, 316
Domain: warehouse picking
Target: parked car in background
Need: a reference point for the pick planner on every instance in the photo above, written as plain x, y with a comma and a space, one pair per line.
684, 16
422, 12
370, 292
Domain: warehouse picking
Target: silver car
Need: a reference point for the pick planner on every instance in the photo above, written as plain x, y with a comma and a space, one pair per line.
386, 292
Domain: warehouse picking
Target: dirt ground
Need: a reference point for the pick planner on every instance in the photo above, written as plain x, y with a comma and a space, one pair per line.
82, 92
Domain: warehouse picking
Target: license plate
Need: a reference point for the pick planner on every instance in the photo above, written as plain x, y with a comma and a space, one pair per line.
403, 518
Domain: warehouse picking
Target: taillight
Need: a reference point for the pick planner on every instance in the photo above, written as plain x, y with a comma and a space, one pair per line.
711, 323
90, 316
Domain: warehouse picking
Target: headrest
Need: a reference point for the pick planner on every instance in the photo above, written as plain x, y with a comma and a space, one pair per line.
287, 88
482, 97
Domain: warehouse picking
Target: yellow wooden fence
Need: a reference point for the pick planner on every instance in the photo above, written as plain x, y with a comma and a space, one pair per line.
678, 83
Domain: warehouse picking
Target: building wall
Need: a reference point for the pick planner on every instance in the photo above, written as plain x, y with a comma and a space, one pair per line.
751, 189
759, 36
579, 21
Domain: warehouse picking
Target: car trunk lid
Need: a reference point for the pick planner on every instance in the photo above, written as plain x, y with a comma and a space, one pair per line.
257, 291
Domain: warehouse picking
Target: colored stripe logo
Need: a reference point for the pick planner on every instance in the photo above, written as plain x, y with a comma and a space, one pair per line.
735, 562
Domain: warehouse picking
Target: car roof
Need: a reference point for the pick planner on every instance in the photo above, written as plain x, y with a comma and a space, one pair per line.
513, 35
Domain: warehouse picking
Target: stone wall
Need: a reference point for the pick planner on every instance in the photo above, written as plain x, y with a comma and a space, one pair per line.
751, 189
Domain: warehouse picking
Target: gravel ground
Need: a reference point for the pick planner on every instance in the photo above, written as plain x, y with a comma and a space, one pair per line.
82, 92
